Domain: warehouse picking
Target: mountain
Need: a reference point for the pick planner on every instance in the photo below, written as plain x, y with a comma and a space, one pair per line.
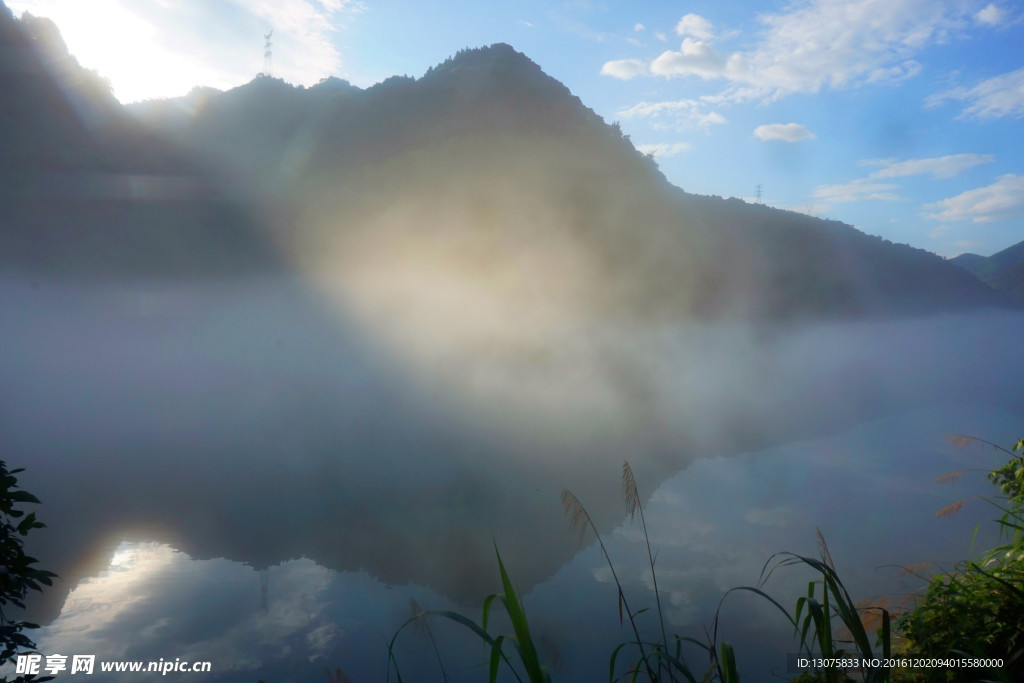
969, 262
485, 178
87, 190
460, 224
1003, 271
488, 171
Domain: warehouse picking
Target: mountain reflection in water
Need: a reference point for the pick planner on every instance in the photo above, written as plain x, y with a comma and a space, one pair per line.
870, 490
256, 423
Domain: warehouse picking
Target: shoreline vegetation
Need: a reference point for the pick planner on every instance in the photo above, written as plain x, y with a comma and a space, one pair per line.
18, 573
972, 613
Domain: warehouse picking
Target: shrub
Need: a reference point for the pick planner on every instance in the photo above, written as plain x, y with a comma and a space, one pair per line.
977, 609
18, 574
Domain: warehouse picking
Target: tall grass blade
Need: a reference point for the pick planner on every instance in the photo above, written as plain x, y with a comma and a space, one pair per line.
826, 557
631, 494
490, 641
730, 674
517, 614
998, 579
580, 520
612, 659
495, 659
886, 635
421, 617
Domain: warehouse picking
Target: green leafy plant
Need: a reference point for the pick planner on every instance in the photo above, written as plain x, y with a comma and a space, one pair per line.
813, 617
526, 659
18, 573
976, 610
662, 659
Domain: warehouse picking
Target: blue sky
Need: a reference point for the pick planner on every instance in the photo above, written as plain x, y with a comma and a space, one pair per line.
901, 117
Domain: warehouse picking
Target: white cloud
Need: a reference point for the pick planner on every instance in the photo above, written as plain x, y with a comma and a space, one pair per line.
711, 119
303, 34
638, 28
873, 186
1001, 200
664, 149
991, 15
895, 74
939, 232
646, 109
696, 26
683, 113
787, 132
694, 58
858, 190
338, 5
937, 167
993, 98
624, 69
661, 36
816, 44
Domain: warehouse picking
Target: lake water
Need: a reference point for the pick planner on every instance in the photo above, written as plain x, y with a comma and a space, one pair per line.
265, 474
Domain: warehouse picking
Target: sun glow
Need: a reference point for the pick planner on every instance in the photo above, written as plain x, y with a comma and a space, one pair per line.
124, 47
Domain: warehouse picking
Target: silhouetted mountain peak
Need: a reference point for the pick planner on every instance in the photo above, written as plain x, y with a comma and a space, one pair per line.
481, 150
63, 113
45, 34
333, 84
1003, 271
970, 262
499, 63
497, 55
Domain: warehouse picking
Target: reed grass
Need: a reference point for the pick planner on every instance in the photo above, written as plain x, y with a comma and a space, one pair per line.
976, 609
826, 601
526, 661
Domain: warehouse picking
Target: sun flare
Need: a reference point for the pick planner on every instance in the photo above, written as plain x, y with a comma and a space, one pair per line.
122, 46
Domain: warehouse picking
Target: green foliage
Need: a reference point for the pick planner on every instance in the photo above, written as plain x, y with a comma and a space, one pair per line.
1010, 478
977, 610
662, 660
18, 574
813, 617
971, 612
525, 651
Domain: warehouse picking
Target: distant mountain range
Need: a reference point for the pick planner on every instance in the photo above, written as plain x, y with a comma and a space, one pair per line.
485, 173
1003, 271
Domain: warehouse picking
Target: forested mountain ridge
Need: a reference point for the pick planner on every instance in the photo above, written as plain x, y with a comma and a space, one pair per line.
484, 170
1003, 271
487, 154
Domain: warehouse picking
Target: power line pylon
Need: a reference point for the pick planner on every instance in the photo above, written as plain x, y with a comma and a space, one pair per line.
268, 60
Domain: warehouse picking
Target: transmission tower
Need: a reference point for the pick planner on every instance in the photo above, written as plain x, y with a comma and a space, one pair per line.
757, 192
268, 60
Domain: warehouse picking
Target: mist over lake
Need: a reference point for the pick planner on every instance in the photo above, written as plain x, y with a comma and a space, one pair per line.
289, 362
256, 424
